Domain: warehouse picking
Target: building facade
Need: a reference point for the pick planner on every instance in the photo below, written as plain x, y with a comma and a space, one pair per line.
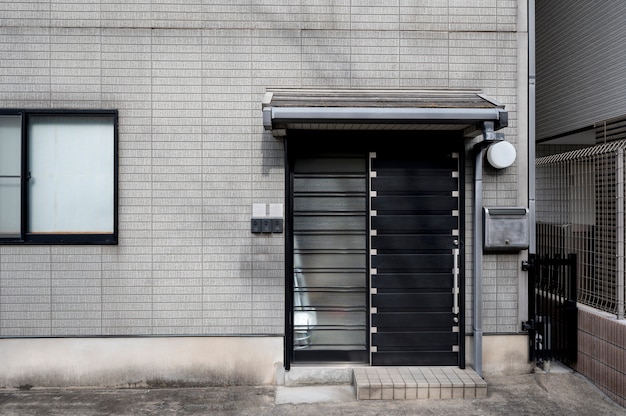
204, 192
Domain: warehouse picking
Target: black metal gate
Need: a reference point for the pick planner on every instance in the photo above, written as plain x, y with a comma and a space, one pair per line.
552, 310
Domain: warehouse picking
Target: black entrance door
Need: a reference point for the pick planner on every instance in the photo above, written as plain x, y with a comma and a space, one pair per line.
375, 265
414, 262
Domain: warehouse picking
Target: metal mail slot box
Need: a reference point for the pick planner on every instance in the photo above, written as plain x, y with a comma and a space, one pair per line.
505, 229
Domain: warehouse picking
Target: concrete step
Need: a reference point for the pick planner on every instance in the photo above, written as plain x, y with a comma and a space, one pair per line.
393, 383
409, 383
315, 394
315, 376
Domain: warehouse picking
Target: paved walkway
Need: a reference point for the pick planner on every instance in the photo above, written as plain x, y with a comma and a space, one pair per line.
544, 394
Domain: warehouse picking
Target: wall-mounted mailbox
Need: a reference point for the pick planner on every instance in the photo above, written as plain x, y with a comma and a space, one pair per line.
505, 229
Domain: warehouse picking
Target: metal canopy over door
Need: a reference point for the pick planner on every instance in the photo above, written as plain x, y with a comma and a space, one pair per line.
414, 243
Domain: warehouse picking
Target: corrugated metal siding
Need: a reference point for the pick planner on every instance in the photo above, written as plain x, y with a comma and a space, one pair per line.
611, 130
581, 64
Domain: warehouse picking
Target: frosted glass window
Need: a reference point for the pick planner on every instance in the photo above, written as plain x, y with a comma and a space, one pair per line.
330, 289
71, 169
10, 175
58, 176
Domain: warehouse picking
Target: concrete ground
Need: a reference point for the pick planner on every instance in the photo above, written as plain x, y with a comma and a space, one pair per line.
541, 393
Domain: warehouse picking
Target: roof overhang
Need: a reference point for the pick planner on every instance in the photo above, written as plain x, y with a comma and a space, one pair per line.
317, 109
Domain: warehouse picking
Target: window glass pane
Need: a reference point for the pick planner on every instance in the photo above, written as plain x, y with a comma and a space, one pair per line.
329, 260
342, 279
10, 145
329, 223
330, 254
331, 241
339, 339
353, 164
330, 184
71, 165
10, 166
330, 203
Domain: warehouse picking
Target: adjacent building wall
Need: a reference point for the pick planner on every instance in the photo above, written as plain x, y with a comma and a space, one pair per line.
188, 78
580, 58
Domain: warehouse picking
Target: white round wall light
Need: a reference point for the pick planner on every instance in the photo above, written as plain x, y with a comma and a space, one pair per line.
501, 154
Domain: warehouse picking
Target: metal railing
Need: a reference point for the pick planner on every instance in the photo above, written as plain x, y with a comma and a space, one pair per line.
580, 209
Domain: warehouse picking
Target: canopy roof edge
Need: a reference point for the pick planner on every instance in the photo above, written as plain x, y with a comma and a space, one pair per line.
379, 109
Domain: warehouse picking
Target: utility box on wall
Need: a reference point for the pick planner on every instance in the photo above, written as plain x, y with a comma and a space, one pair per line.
505, 229
267, 218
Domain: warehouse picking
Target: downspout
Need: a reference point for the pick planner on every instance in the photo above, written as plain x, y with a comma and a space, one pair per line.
531, 130
478, 260
489, 137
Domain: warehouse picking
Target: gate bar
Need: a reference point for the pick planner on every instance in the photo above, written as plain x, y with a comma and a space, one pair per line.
620, 234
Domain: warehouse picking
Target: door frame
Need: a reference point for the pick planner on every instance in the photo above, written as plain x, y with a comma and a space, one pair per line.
367, 139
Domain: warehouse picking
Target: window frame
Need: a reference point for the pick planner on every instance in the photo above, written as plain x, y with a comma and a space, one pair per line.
70, 237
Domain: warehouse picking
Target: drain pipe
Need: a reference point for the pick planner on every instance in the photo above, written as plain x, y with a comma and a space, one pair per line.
489, 137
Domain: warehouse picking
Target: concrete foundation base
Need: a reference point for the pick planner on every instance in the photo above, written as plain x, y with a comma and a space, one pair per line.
135, 362
502, 355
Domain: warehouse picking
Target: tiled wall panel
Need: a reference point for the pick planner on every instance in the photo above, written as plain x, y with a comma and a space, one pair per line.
602, 352
188, 78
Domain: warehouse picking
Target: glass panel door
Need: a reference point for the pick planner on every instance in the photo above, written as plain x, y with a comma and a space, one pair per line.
330, 278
